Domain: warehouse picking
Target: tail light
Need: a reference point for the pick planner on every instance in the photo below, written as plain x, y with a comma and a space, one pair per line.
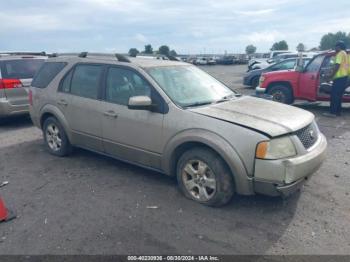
30, 97
10, 83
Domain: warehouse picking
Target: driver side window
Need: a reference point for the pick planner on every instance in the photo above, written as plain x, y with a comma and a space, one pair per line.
315, 64
121, 84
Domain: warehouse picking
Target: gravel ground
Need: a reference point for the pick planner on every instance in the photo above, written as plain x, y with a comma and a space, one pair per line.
90, 204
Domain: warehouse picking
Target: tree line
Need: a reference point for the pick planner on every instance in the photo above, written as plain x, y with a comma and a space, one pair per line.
148, 50
327, 42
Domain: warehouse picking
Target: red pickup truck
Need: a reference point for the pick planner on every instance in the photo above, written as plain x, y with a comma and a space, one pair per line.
310, 83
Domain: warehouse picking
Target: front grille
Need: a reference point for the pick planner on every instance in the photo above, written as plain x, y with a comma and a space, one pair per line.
307, 136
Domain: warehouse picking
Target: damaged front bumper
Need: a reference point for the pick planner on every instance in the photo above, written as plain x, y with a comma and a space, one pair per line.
293, 171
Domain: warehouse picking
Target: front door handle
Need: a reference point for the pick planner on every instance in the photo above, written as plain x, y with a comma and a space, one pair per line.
62, 102
110, 114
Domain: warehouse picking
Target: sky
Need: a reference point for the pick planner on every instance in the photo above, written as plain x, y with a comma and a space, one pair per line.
188, 26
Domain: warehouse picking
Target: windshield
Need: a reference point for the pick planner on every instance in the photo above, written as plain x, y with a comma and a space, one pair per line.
189, 86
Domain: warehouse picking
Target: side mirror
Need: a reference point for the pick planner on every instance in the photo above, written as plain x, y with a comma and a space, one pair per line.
140, 103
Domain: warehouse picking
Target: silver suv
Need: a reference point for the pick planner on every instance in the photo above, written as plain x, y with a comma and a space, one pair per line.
16, 73
174, 118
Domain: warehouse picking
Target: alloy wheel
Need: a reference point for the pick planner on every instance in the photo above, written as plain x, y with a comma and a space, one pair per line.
199, 180
278, 96
53, 137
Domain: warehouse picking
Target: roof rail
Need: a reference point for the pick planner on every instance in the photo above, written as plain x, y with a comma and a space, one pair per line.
63, 54
24, 53
83, 54
120, 57
172, 58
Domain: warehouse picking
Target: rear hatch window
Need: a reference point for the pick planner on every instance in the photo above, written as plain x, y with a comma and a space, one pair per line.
21, 69
47, 73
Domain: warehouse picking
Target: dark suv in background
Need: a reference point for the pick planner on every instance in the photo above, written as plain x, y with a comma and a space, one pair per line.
16, 74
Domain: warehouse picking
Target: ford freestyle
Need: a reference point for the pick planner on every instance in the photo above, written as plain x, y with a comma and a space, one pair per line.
176, 119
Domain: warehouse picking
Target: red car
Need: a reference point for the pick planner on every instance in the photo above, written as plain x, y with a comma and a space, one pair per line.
310, 83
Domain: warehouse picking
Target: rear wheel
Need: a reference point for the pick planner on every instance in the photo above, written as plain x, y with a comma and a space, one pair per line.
281, 93
204, 177
55, 138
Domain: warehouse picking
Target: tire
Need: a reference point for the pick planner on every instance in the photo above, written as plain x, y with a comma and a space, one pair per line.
213, 185
255, 81
56, 140
282, 94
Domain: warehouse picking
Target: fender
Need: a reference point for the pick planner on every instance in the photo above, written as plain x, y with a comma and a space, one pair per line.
290, 78
48, 108
243, 183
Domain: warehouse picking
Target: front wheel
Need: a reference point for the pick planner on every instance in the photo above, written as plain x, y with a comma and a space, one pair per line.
204, 177
255, 81
282, 94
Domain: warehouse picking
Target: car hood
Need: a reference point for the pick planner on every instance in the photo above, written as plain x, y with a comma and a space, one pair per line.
255, 72
268, 117
260, 60
288, 74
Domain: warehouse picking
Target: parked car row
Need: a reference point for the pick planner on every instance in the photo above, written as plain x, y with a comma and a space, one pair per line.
213, 60
201, 60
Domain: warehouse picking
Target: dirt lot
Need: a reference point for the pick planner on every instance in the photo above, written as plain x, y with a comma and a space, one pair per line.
88, 204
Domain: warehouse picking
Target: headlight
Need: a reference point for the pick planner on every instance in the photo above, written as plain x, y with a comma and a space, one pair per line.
276, 149
261, 79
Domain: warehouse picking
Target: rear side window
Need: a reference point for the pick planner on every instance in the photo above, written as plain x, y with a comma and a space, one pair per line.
46, 73
85, 81
21, 68
315, 64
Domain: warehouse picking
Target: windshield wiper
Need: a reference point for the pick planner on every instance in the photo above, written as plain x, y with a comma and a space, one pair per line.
200, 104
223, 99
227, 98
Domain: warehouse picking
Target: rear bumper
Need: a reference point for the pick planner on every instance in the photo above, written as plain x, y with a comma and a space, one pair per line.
285, 176
35, 119
7, 109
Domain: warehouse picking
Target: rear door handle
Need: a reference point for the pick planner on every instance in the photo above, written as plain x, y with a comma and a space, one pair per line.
62, 102
110, 114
